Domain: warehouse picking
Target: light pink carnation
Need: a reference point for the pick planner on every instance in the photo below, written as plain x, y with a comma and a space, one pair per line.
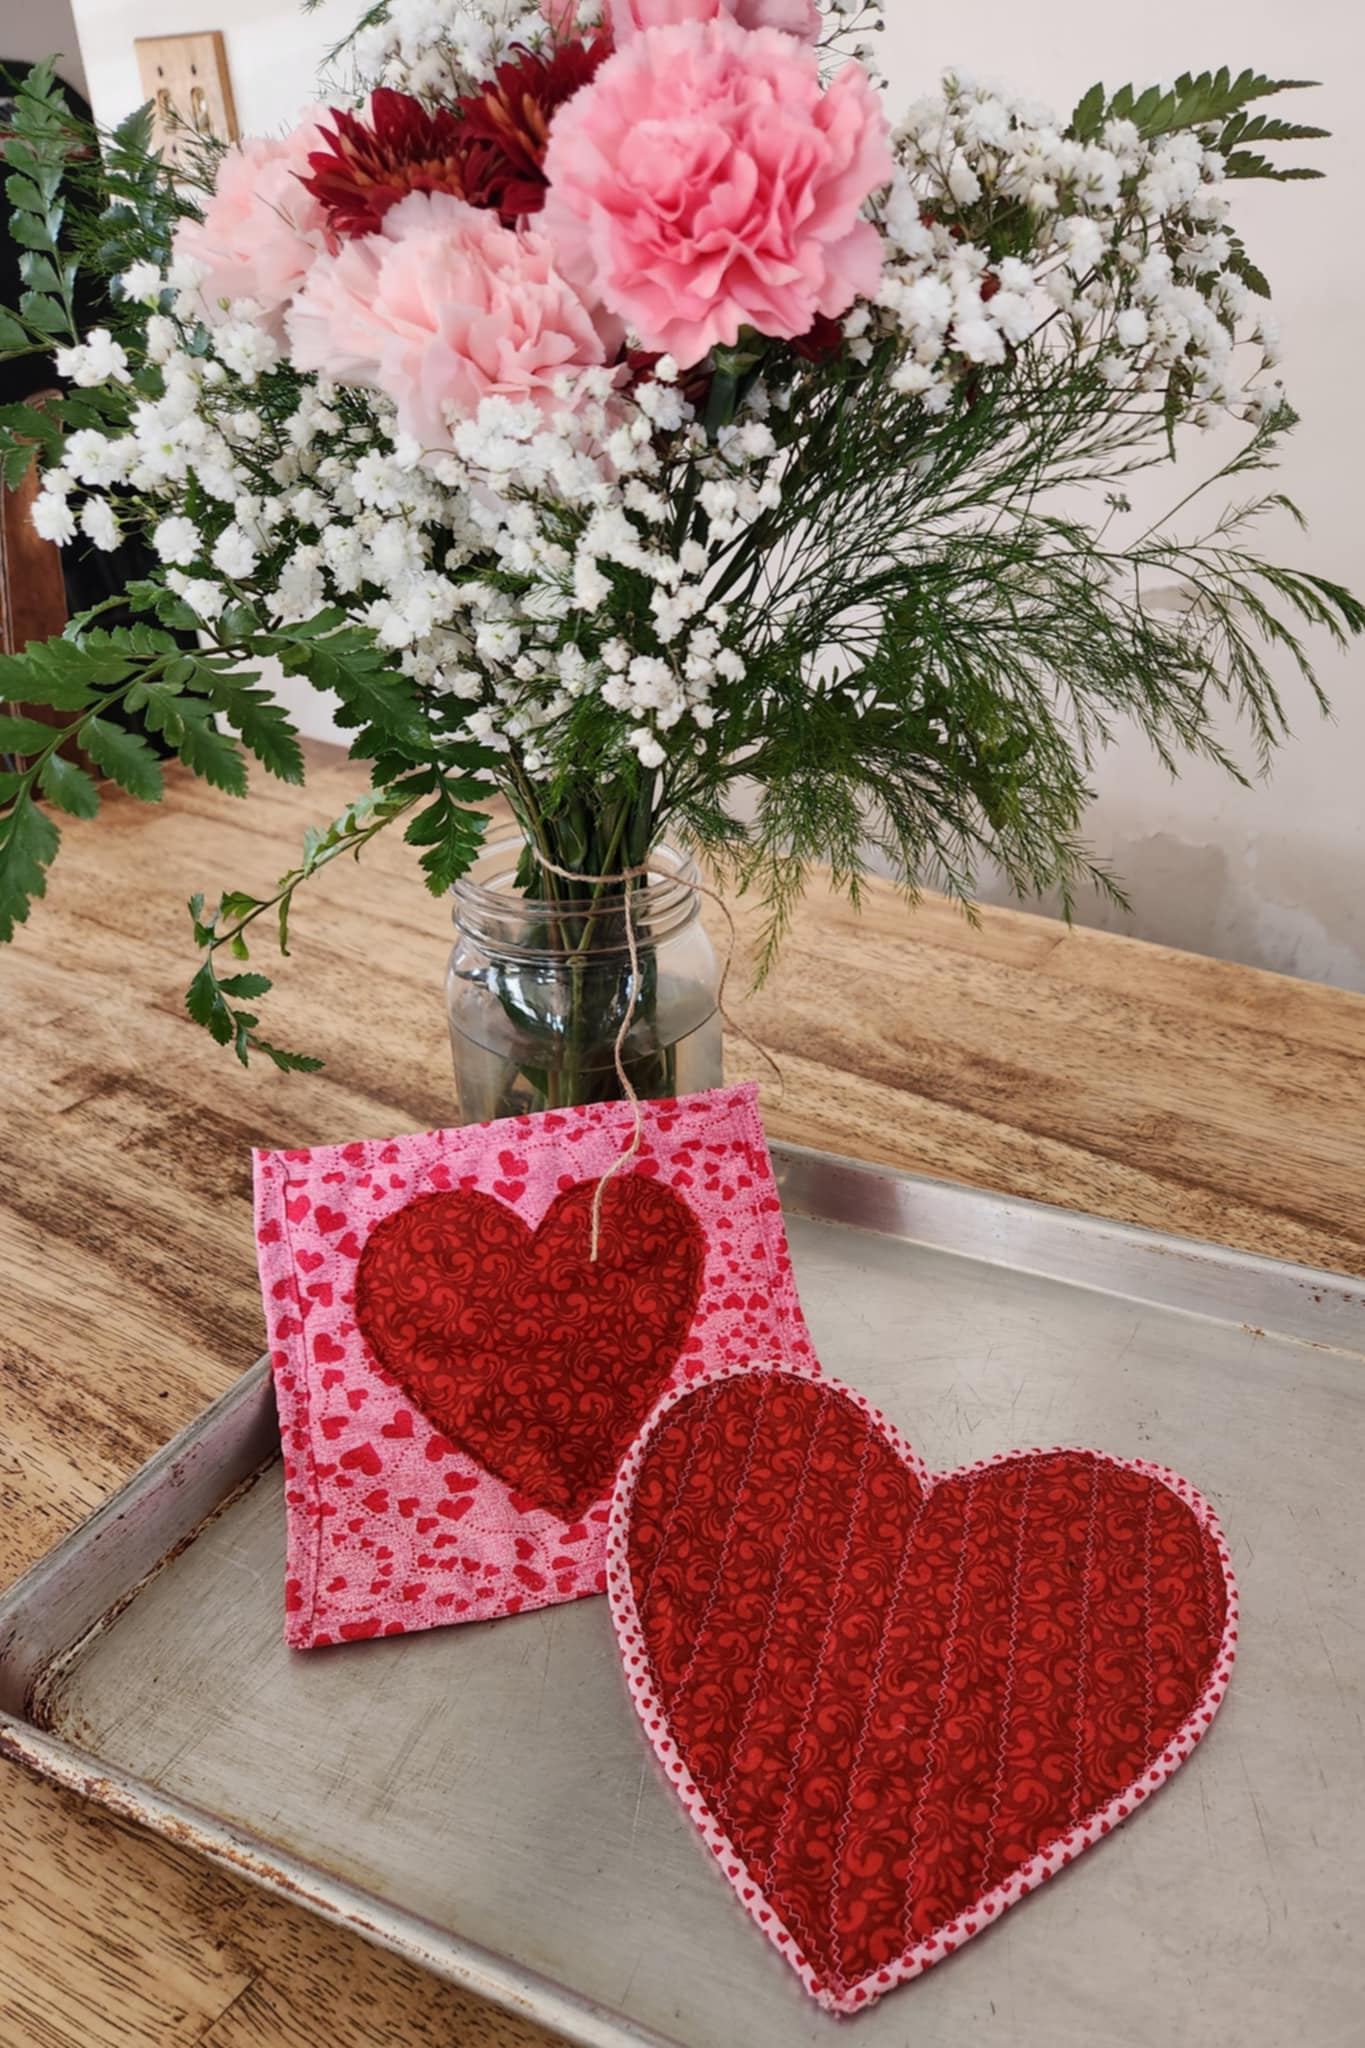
446, 307
704, 182
261, 231
793, 17
333, 325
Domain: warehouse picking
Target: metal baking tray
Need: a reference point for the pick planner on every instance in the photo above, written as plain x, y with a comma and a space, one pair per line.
480, 1798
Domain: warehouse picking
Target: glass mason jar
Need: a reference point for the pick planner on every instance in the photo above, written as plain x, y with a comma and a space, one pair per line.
536, 989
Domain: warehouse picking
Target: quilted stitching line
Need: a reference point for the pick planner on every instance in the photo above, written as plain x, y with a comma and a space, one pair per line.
770, 1618
684, 1476
710, 1607
1082, 1626
940, 1708
800, 1742
1007, 1701
869, 1709
1208, 1595
1147, 1710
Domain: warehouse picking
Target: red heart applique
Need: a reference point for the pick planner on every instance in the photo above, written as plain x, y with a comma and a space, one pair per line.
892, 1701
541, 1364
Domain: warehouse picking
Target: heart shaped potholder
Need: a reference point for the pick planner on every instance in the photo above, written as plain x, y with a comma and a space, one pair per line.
893, 1701
539, 1360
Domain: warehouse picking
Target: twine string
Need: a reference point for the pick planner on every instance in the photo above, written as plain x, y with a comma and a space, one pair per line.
626, 876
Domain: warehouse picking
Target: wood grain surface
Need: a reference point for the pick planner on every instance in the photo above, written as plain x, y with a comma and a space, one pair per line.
1072, 1067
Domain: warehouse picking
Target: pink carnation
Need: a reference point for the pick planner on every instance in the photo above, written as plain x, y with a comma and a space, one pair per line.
261, 231
703, 182
333, 323
446, 307
793, 17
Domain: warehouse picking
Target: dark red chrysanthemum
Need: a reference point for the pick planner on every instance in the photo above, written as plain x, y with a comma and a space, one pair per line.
506, 125
369, 165
822, 341
487, 149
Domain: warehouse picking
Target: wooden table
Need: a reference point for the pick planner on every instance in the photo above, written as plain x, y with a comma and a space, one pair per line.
1066, 1065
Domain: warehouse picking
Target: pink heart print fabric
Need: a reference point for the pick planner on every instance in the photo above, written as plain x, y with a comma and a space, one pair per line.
457, 1379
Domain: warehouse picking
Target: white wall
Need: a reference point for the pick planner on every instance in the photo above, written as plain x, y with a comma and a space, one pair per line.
274, 50
1274, 876
29, 33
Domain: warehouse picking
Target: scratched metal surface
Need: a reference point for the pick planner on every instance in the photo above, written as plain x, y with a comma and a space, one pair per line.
481, 1797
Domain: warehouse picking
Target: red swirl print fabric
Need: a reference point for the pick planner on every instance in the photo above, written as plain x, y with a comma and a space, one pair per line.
396, 1519
538, 1360
895, 1702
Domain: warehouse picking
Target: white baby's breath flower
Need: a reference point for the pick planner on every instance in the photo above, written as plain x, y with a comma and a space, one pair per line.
980, 340
1016, 276
1131, 327
99, 525
300, 592
234, 553
497, 641
1016, 315
662, 404
246, 349
204, 597
1083, 240
162, 337
186, 273
244, 425
177, 542
143, 283
92, 457
53, 518
99, 359
591, 589
963, 182
465, 683
483, 727
911, 378
756, 441
649, 504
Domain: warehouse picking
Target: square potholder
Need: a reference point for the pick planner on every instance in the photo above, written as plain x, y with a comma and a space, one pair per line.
457, 1379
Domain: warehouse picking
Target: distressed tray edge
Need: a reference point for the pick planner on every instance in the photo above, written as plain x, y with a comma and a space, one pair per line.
1304, 1304
479, 1971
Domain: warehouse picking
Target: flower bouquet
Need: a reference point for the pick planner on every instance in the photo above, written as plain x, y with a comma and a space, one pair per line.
612, 407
